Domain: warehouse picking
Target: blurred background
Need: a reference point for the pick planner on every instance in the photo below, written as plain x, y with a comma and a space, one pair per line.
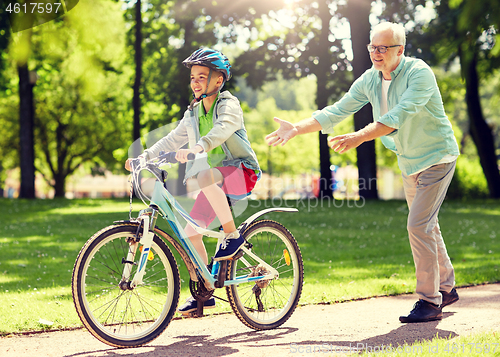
76, 91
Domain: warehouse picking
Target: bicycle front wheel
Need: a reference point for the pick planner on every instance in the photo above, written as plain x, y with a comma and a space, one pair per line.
267, 304
124, 317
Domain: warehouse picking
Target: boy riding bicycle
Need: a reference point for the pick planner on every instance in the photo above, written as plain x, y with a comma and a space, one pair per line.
213, 124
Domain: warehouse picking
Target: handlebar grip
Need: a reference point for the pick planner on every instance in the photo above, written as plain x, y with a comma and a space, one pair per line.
170, 157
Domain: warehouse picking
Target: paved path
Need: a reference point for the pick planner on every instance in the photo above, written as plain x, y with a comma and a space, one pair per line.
373, 322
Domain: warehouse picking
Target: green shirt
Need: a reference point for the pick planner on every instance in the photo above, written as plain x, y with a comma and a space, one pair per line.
215, 156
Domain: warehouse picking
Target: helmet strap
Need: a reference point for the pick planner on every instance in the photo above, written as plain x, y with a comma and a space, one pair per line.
204, 95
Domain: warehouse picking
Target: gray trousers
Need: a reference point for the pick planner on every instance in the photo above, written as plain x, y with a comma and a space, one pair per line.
425, 193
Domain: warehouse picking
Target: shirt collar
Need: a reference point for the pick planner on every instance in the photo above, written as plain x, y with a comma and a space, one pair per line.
211, 110
398, 69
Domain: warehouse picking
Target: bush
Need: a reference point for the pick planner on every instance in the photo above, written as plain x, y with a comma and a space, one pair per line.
468, 181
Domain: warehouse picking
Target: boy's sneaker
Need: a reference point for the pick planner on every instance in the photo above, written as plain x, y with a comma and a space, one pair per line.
191, 304
449, 298
229, 246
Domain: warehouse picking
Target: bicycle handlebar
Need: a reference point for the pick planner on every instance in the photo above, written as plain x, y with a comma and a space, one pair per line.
162, 158
170, 157
153, 166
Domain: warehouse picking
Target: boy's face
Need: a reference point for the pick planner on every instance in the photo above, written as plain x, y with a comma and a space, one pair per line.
199, 80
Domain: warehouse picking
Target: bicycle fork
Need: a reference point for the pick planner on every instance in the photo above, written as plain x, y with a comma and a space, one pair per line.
148, 223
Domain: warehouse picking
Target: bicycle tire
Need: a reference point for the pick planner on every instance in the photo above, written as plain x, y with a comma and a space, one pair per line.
124, 318
278, 297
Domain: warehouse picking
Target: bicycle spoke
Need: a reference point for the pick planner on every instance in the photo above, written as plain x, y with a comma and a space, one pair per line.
276, 298
120, 317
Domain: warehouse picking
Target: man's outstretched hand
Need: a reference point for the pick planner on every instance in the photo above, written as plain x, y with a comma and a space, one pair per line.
285, 132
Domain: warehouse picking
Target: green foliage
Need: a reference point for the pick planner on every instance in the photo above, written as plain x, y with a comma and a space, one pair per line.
465, 30
291, 94
9, 124
468, 181
80, 101
301, 155
484, 342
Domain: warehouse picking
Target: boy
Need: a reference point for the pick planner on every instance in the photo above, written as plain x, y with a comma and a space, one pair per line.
213, 124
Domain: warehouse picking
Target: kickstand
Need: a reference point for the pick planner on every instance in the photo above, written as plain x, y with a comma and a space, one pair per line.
199, 308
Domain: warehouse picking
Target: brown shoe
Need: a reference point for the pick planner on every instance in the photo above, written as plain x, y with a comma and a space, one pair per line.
449, 298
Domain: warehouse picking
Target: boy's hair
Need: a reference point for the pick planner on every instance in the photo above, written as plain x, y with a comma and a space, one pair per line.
398, 31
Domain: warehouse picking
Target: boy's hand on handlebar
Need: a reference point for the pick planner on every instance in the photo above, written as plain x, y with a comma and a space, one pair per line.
127, 164
182, 154
130, 161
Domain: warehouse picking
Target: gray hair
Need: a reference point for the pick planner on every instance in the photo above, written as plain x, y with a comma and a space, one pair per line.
398, 31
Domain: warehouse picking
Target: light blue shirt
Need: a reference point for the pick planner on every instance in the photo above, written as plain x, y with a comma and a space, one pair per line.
423, 135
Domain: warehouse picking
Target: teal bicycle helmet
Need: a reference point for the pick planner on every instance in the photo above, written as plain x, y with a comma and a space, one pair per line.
210, 58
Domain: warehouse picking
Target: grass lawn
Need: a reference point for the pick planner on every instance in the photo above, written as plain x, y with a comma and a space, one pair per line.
484, 343
350, 250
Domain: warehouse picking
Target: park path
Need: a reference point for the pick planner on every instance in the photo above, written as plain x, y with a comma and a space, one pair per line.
313, 330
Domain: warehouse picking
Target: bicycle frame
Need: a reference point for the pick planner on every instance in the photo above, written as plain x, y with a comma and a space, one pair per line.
162, 203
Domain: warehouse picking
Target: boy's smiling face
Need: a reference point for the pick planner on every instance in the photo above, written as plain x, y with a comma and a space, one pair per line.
199, 80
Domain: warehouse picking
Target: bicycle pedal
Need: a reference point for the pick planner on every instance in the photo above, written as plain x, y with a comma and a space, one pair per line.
191, 314
238, 255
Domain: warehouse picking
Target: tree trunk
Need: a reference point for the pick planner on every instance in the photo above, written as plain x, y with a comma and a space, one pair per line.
325, 181
358, 12
59, 185
481, 133
184, 98
136, 101
1, 184
26, 152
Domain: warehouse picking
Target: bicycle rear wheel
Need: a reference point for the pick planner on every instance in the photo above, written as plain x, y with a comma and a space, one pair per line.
267, 304
117, 317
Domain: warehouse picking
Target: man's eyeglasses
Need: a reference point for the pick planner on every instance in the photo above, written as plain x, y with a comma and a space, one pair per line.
381, 49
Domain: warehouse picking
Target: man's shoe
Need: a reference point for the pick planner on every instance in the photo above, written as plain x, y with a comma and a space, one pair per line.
449, 298
423, 311
229, 247
191, 304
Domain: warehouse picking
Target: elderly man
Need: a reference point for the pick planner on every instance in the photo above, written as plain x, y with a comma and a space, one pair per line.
410, 120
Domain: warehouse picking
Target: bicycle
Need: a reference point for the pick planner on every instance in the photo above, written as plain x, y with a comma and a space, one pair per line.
126, 281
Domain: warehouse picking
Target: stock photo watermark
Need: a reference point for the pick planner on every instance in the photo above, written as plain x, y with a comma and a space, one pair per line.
26, 14
446, 347
308, 204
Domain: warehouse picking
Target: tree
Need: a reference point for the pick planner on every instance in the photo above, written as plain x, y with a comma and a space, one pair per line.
358, 13
308, 47
26, 127
21, 56
187, 25
26, 117
466, 30
80, 103
136, 101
